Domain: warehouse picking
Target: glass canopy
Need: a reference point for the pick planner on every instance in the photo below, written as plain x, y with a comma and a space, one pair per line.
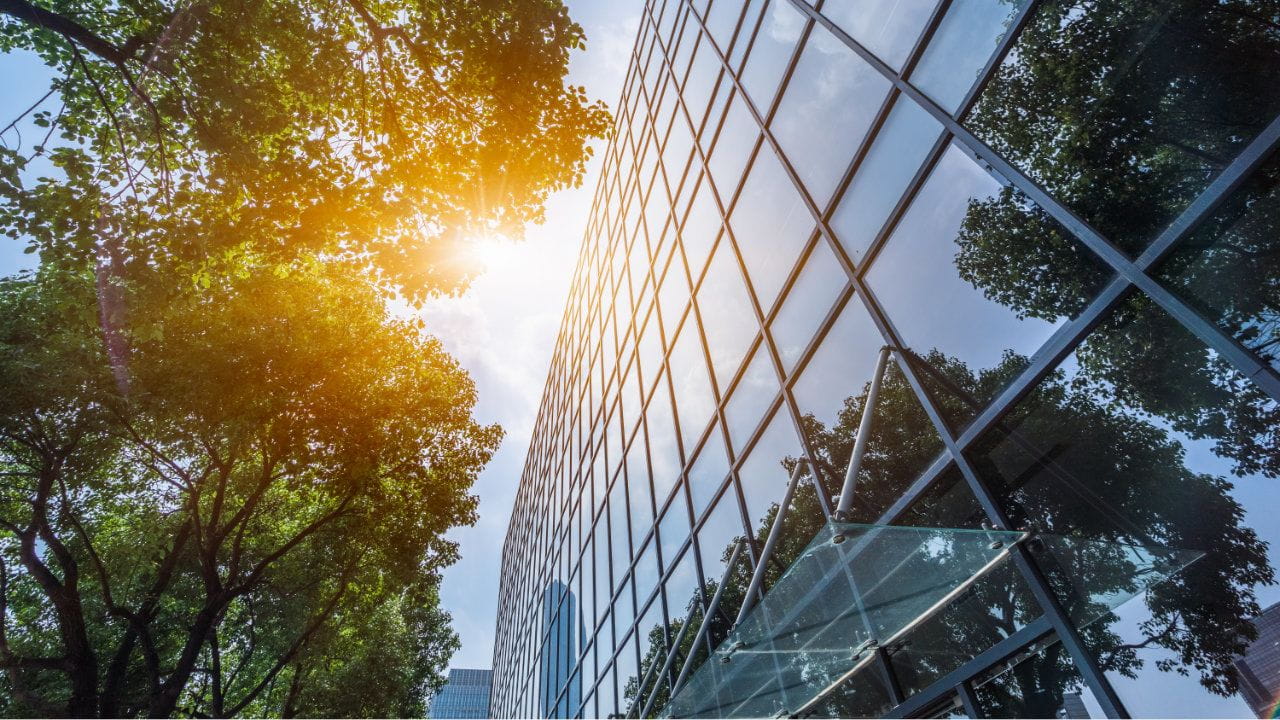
858, 587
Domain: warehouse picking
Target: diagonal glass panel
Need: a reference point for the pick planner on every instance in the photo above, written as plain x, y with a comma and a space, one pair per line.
857, 587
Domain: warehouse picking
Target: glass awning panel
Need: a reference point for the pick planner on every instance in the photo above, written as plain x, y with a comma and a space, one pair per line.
856, 587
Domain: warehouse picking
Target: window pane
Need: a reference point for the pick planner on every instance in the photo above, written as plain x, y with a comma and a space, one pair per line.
690, 383
751, 398
701, 227
726, 313
775, 41
673, 530
664, 453
771, 225
1228, 268
887, 28
895, 155
1166, 447
717, 536
972, 273
1126, 110
682, 591
806, 306
831, 395
701, 81
763, 475
960, 48
708, 471
828, 106
722, 19
733, 148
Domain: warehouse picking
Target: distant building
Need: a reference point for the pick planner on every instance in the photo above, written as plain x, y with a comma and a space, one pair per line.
465, 695
1073, 707
560, 688
1260, 665
1047, 227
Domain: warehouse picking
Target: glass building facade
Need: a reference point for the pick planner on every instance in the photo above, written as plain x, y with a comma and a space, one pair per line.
1060, 217
464, 695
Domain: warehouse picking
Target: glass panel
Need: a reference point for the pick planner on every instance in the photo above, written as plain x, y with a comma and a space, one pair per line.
722, 19
900, 147
816, 288
1143, 435
826, 110
664, 453
690, 383
700, 229
1228, 268
831, 394
708, 471
646, 573
620, 549
638, 485
765, 472
771, 225
727, 314
856, 587
652, 635
961, 47
775, 41
673, 530
974, 278
733, 147
682, 592
717, 537
626, 665
888, 28
1126, 110
751, 398
703, 75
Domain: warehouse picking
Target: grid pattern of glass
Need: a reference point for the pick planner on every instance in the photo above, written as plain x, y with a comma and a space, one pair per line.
464, 695
1063, 219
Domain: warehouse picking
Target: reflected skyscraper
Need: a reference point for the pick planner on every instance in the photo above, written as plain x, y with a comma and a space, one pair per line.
1260, 665
1027, 249
559, 682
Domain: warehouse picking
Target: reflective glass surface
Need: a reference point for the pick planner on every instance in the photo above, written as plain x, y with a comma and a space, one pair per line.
966, 323
859, 587
817, 288
771, 225
895, 155
968, 35
1136, 128
1230, 268
775, 41
888, 28
757, 388
826, 111
727, 315
1109, 422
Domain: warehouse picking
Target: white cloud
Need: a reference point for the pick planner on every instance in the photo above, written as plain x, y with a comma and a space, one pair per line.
503, 330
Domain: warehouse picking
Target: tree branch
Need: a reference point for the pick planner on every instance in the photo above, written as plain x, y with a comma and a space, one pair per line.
70, 29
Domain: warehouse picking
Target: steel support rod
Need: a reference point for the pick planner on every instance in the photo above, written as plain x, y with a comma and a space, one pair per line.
712, 608
757, 577
860, 444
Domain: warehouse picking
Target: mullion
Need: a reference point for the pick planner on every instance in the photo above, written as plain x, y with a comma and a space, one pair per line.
1208, 332
726, 209
1093, 676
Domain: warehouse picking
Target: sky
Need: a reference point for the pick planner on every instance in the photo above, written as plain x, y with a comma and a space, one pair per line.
502, 330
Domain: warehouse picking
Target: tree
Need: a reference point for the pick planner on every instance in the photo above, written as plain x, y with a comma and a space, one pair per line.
226, 467
382, 132
271, 494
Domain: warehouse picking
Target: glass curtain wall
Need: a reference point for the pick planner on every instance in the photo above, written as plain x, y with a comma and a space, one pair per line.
1063, 219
